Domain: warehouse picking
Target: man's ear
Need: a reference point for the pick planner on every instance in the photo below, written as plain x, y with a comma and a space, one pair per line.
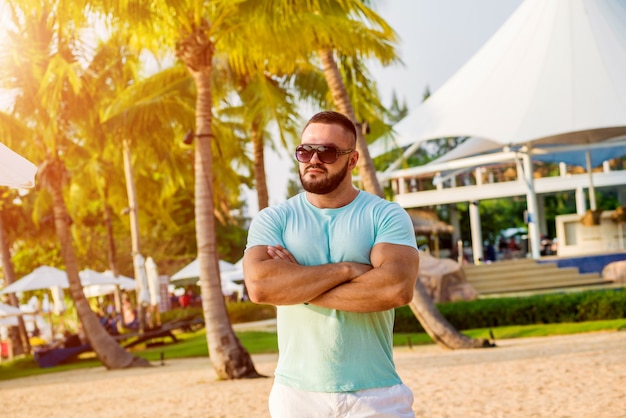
354, 158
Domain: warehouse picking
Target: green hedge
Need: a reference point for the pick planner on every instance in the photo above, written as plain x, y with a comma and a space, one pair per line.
540, 309
480, 313
237, 312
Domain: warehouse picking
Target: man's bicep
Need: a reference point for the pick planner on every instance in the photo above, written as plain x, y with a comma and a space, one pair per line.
395, 254
253, 256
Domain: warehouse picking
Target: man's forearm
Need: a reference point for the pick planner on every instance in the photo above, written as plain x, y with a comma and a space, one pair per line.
372, 292
282, 282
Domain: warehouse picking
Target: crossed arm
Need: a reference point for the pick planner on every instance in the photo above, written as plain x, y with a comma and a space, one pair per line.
273, 276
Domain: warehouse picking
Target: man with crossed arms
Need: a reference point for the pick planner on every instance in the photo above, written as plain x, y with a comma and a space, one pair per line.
335, 261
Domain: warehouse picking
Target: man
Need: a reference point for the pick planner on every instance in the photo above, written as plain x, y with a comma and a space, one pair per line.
335, 261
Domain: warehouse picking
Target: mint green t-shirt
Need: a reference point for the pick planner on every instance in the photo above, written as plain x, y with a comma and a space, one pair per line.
329, 350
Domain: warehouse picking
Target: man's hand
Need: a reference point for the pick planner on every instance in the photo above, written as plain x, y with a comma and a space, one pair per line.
388, 284
278, 252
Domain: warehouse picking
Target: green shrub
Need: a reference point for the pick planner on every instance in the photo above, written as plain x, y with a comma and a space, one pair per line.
540, 309
237, 312
249, 312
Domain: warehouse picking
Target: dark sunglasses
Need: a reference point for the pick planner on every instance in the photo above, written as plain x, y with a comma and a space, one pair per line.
327, 154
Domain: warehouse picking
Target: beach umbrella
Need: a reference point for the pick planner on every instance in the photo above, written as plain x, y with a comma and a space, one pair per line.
191, 272
90, 277
58, 300
141, 279
15, 170
8, 310
46, 277
231, 276
43, 277
125, 283
9, 314
154, 286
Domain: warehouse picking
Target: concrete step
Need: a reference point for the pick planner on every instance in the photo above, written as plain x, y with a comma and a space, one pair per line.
530, 274
559, 290
498, 274
563, 282
526, 275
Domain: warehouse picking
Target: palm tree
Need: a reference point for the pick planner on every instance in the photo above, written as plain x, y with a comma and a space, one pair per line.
196, 28
47, 76
229, 357
265, 99
19, 339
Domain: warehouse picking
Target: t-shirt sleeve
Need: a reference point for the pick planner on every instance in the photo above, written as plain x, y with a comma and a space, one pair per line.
265, 229
396, 227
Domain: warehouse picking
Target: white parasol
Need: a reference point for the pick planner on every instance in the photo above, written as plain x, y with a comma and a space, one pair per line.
125, 283
141, 279
15, 170
43, 277
230, 274
154, 286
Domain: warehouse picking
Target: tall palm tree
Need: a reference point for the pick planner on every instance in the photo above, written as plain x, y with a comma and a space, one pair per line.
18, 335
46, 73
196, 28
266, 99
229, 357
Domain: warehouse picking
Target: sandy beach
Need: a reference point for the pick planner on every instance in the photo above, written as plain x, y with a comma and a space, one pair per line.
581, 375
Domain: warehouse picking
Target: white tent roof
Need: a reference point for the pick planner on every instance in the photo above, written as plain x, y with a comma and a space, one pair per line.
552, 73
45, 277
15, 170
191, 272
229, 275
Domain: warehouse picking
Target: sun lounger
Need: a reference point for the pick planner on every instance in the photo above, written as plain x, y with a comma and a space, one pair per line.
55, 356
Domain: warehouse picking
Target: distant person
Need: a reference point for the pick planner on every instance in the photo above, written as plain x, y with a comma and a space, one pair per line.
129, 315
502, 245
490, 252
186, 298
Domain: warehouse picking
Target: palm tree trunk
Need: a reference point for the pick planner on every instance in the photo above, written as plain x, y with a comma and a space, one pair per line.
342, 102
111, 251
106, 348
440, 330
134, 229
229, 358
19, 339
259, 166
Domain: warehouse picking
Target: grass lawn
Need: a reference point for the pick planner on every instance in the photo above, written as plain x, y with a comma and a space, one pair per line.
194, 344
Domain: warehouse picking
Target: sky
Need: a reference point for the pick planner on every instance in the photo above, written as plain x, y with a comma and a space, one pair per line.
436, 37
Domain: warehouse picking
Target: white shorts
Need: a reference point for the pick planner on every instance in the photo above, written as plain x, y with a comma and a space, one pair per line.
393, 401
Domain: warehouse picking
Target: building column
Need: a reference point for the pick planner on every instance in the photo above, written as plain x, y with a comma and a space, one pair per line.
541, 215
454, 220
581, 201
476, 232
531, 202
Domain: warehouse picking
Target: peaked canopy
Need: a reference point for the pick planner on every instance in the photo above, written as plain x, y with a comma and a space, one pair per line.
553, 73
15, 170
45, 277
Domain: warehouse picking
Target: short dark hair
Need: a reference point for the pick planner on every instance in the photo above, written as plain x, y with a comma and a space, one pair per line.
330, 117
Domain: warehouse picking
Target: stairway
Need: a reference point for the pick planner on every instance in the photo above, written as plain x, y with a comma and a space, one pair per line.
521, 277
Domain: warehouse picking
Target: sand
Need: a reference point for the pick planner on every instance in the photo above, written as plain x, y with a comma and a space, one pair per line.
581, 375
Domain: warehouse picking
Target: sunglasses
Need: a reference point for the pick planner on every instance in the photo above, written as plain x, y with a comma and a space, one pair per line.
327, 154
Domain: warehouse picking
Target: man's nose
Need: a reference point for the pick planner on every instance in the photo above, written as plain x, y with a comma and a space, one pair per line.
316, 157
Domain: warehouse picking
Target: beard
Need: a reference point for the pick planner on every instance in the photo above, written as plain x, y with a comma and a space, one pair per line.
324, 185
